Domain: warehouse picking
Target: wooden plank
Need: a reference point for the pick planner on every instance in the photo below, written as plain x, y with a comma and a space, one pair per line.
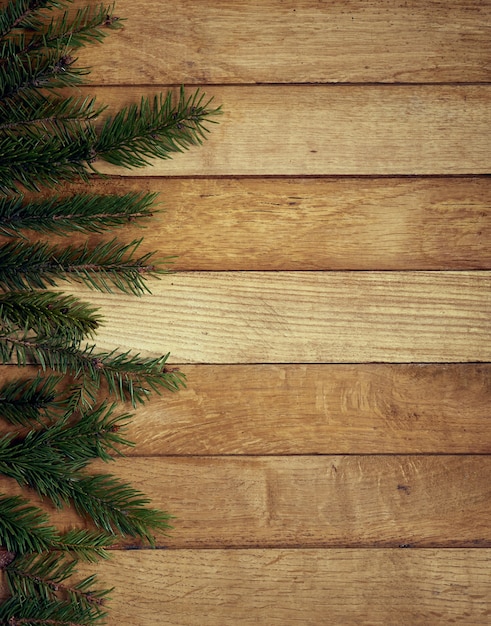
273, 41
315, 409
291, 587
312, 501
320, 409
316, 223
322, 130
304, 317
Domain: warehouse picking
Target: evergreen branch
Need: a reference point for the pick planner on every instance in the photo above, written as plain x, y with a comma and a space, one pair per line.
50, 70
24, 528
18, 611
44, 577
129, 377
23, 402
66, 445
41, 114
47, 314
87, 26
117, 507
86, 213
88, 545
25, 161
21, 13
154, 129
107, 265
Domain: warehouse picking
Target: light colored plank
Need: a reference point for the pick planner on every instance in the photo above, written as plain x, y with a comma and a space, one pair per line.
221, 41
293, 587
314, 409
316, 223
313, 501
304, 317
322, 130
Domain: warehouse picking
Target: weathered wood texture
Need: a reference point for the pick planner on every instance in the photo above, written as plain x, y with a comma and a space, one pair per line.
305, 317
329, 129
301, 41
293, 462
314, 409
313, 501
307, 587
316, 223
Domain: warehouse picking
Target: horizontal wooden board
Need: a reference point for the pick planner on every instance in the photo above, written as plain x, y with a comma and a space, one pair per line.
314, 409
301, 41
293, 587
320, 409
312, 501
315, 223
304, 317
322, 130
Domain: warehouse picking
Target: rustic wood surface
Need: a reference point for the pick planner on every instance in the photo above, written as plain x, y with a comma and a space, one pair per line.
302, 586
329, 460
333, 129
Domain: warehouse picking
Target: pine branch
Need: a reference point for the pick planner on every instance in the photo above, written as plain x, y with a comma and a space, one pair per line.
50, 70
48, 314
109, 264
154, 129
30, 576
27, 162
37, 115
35, 612
34, 400
24, 528
86, 213
22, 14
117, 507
128, 377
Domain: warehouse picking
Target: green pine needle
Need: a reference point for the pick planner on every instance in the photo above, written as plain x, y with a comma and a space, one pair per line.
85, 213
155, 129
27, 401
104, 267
48, 314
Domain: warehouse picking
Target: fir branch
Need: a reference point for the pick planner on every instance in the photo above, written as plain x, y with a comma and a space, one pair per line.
128, 376
25, 161
109, 264
117, 507
86, 213
87, 26
50, 70
48, 314
154, 129
38, 115
24, 528
18, 611
45, 577
21, 13
23, 402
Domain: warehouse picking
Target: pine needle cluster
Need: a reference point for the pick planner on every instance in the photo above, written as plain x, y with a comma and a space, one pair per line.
66, 415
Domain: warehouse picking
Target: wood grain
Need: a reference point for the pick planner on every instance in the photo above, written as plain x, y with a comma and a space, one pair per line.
320, 409
314, 409
316, 223
322, 130
292, 587
304, 317
311, 501
305, 41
